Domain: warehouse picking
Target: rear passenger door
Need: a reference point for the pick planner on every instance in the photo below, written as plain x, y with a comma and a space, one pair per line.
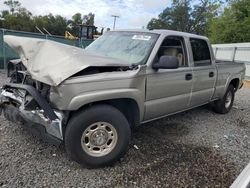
204, 72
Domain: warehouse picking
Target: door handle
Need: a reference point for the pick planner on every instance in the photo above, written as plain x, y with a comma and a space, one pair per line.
211, 74
189, 76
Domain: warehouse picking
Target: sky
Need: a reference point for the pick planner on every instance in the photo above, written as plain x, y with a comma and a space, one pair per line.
133, 13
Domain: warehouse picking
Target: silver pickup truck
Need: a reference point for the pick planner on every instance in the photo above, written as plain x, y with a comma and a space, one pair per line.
91, 99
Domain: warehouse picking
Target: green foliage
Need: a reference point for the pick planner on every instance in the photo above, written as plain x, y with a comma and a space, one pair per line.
74, 23
19, 18
56, 25
78, 19
89, 19
200, 17
13, 5
184, 15
233, 25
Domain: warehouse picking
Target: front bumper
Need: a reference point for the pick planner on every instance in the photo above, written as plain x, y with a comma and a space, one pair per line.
44, 121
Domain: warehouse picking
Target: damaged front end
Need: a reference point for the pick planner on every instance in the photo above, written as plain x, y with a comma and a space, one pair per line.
51, 75
26, 101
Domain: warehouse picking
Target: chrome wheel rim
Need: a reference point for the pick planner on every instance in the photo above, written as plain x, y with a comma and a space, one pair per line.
99, 139
228, 101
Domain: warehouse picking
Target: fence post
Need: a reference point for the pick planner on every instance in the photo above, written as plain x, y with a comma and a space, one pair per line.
4, 53
215, 53
234, 53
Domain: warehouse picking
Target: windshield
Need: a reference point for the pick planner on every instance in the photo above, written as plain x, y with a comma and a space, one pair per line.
131, 47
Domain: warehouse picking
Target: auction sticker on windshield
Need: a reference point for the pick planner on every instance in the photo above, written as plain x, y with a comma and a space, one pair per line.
141, 37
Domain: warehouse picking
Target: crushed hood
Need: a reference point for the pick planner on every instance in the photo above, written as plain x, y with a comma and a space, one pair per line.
52, 62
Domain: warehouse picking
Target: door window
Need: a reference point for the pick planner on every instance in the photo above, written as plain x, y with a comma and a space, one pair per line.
201, 52
173, 46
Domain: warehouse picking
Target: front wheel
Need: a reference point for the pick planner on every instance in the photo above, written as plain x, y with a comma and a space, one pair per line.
97, 136
225, 104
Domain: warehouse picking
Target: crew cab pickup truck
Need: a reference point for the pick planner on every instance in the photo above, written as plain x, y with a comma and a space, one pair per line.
91, 99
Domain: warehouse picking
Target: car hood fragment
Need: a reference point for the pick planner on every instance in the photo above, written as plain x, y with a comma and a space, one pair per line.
52, 62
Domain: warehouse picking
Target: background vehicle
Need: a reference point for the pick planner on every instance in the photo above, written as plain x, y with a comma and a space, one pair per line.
91, 99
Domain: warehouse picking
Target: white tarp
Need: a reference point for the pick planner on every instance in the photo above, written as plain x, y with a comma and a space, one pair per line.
234, 52
51, 62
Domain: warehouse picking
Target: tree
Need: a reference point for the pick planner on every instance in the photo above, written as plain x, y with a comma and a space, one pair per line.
78, 19
13, 5
56, 25
89, 19
184, 16
19, 18
18, 22
74, 23
233, 25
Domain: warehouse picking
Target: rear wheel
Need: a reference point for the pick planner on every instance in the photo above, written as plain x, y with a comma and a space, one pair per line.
225, 104
97, 136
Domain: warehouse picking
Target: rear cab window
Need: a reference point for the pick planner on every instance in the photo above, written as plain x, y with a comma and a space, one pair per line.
201, 52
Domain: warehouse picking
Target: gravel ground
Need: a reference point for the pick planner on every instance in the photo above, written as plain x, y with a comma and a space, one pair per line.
197, 148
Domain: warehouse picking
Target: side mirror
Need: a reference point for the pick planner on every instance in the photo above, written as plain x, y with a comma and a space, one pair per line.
167, 62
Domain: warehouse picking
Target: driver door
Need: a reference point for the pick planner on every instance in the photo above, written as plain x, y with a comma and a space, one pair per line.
169, 90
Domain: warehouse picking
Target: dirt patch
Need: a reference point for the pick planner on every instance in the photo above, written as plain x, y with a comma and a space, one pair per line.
247, 84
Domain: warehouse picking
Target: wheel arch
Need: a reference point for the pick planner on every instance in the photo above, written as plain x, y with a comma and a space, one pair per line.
235, 83
127, 106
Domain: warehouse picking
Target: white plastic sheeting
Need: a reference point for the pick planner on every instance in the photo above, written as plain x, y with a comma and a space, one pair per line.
239, 52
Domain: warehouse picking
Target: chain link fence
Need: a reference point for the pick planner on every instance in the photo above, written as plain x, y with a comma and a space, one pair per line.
7, 53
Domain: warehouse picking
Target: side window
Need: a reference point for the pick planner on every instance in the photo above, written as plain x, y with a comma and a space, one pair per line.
173, 46
201, 52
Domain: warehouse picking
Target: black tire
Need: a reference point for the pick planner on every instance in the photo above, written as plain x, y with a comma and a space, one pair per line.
222, 106
82, 120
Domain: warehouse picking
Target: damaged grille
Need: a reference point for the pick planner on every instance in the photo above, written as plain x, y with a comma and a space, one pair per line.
18, 74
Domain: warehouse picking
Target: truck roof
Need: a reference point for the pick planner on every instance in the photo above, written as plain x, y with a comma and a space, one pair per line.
165, 31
